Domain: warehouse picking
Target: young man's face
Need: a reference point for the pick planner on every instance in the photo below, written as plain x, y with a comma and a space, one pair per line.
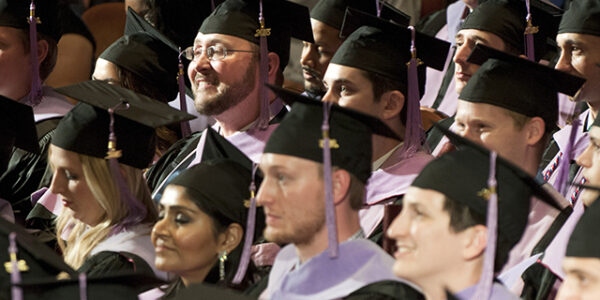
292, 195
582, 281
219, 85
466, 40
316, 57
427, 248
348, 87
15, 70
590, 161
580, 56
492, 127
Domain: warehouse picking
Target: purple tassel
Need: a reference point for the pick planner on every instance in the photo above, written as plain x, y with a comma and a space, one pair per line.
262, 33
563, 171
378, 8
15, 274
212, 5
329, 205
82, 286
185, 125
529, 31
245, 259
414, 135
136, 210
484, 288
35, 95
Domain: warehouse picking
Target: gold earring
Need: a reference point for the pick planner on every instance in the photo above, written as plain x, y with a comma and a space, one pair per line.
222, 260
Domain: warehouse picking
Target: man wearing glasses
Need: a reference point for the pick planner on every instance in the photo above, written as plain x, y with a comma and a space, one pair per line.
225, 72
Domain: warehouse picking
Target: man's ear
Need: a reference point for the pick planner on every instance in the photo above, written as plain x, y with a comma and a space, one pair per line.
340, 185
391, 103
474, 241
42, 50
231, 237
273, 67
535, 130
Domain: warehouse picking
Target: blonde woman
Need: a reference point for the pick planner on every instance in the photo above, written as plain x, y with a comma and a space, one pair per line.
107, 213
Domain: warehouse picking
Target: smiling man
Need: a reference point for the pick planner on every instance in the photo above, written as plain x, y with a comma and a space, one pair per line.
293, 197
441, 233
225, 77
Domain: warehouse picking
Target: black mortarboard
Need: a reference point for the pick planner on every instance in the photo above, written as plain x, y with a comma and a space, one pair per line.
299, 134
584, 240
220, 187
148, 57
17, 122
40, 260
216, 147
583, 16
532, 93
462, 176
135, 23
384, 48
209, 291
15, 13
85, 129
507, 19
331, 12
112, 286
240, 18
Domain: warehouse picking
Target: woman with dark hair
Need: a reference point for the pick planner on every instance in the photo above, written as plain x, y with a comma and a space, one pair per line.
200, 233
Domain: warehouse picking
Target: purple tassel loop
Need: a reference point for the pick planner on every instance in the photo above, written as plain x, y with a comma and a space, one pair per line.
250, 224
378, 8
35, 95
15, 274
414, 135
136, 210
484, 288
329, 205
82, 286
185, 125
530, 30
262, 33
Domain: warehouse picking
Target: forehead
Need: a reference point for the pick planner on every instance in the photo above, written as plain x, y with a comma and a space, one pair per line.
480, 35
340, 72
481, 110
217, 38
590, 265
10, 33
271, 161
60, 157
595, 132
323, 33
175, 195
428, 198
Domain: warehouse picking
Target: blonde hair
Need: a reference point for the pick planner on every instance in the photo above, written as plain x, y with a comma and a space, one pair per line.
82, 238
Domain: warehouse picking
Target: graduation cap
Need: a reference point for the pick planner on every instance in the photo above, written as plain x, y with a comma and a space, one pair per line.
508, 20
135, 23
209, 291
34, 258
85, 129
112, 286
331, 12
147, 57
224, 189
583, 241
532, 93
583, 16
17, 123
15, 13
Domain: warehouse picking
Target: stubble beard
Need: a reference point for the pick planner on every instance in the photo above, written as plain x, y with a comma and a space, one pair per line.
303, 233
227, 96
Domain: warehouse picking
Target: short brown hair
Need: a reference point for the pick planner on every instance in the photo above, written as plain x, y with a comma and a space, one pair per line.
47, 65
356, 190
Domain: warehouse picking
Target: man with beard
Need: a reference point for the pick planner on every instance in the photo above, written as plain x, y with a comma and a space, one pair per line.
226, 80
327, 18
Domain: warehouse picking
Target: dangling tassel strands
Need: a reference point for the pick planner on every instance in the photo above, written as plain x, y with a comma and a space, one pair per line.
530, 30
15, 274
136, 210
329, 205
378, 7
35, 95
185, 125
250, 224
82, 286
484, 288
262, 33
414, 135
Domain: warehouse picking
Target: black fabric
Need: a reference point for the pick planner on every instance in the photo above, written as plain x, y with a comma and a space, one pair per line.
448, 76
331, 12
147, 57
240, 18
583, 241
506, 19
434, 135
378, 234
583, 16
16, 122
552, 231
27, 172
538, 283
41, 260
432, 23
209, 291
108, 262
15, 13
351, 130
386, 290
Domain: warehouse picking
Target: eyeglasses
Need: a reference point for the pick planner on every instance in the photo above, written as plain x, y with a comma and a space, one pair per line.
212, 53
